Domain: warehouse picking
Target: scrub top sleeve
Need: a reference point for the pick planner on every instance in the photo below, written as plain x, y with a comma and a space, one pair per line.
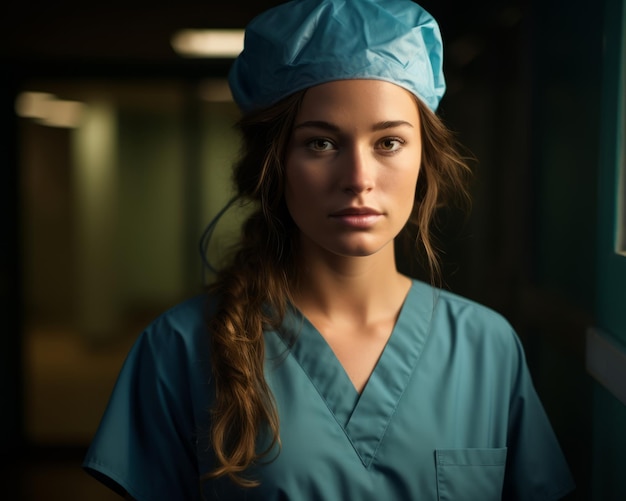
536, 468
145, 444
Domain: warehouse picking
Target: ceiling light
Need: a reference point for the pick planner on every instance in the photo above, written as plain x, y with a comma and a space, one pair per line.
47, 109
208, 43
33, 104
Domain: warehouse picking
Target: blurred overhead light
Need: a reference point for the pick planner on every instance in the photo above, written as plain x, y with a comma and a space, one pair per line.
208, 43
47, 109
33, 104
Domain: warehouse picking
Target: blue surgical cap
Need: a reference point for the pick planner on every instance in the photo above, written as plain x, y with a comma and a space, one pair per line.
303, 43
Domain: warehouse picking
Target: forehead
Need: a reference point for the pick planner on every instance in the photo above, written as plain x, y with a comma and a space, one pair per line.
352, 100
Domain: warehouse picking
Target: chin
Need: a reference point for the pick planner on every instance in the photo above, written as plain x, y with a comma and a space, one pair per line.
358, 249
356, 244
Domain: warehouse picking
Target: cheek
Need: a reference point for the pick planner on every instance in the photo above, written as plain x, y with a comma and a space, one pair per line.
406, 186
305, 180
299, 188
294, 180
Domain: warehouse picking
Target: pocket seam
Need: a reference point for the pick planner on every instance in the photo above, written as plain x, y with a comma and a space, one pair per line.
491, 461
443, 458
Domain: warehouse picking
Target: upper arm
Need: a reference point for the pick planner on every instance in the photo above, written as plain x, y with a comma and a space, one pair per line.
145, 447
536, 467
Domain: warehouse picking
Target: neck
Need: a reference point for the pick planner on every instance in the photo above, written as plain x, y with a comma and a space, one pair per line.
362, 289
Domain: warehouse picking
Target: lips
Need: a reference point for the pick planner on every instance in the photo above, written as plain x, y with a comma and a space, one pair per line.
356, 211
357, 218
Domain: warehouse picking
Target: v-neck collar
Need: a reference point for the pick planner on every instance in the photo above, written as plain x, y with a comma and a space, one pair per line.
364, 417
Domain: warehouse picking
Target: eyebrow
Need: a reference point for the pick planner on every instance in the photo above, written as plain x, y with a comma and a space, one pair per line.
321, 124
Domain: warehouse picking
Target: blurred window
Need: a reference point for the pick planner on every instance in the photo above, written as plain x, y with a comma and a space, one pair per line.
611, 290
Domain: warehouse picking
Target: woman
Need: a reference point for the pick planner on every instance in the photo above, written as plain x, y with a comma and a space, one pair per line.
314, 369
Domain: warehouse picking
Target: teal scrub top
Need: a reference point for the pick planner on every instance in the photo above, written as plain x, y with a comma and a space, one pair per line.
449, 413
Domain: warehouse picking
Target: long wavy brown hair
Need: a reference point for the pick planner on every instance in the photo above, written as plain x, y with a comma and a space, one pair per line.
255, 288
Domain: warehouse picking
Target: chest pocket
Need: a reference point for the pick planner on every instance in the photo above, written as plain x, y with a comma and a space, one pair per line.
470, 474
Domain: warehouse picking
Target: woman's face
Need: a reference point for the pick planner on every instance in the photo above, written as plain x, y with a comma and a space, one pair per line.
352, 165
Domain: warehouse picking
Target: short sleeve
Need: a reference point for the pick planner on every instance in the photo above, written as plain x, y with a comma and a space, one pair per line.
146, 442
536, 468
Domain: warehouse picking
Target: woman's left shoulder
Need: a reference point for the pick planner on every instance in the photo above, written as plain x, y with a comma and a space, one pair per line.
471, 312
467, 320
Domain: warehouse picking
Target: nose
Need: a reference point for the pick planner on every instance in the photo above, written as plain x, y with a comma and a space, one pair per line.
358, 171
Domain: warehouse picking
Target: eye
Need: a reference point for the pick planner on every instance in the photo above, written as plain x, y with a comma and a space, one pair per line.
320, 144
390, 144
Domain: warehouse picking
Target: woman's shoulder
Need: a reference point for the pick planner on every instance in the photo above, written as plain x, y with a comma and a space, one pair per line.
180, 327
188, 311
466, 318
457, 304
471, 310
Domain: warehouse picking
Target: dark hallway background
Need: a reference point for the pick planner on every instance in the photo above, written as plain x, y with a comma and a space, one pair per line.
524, 96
